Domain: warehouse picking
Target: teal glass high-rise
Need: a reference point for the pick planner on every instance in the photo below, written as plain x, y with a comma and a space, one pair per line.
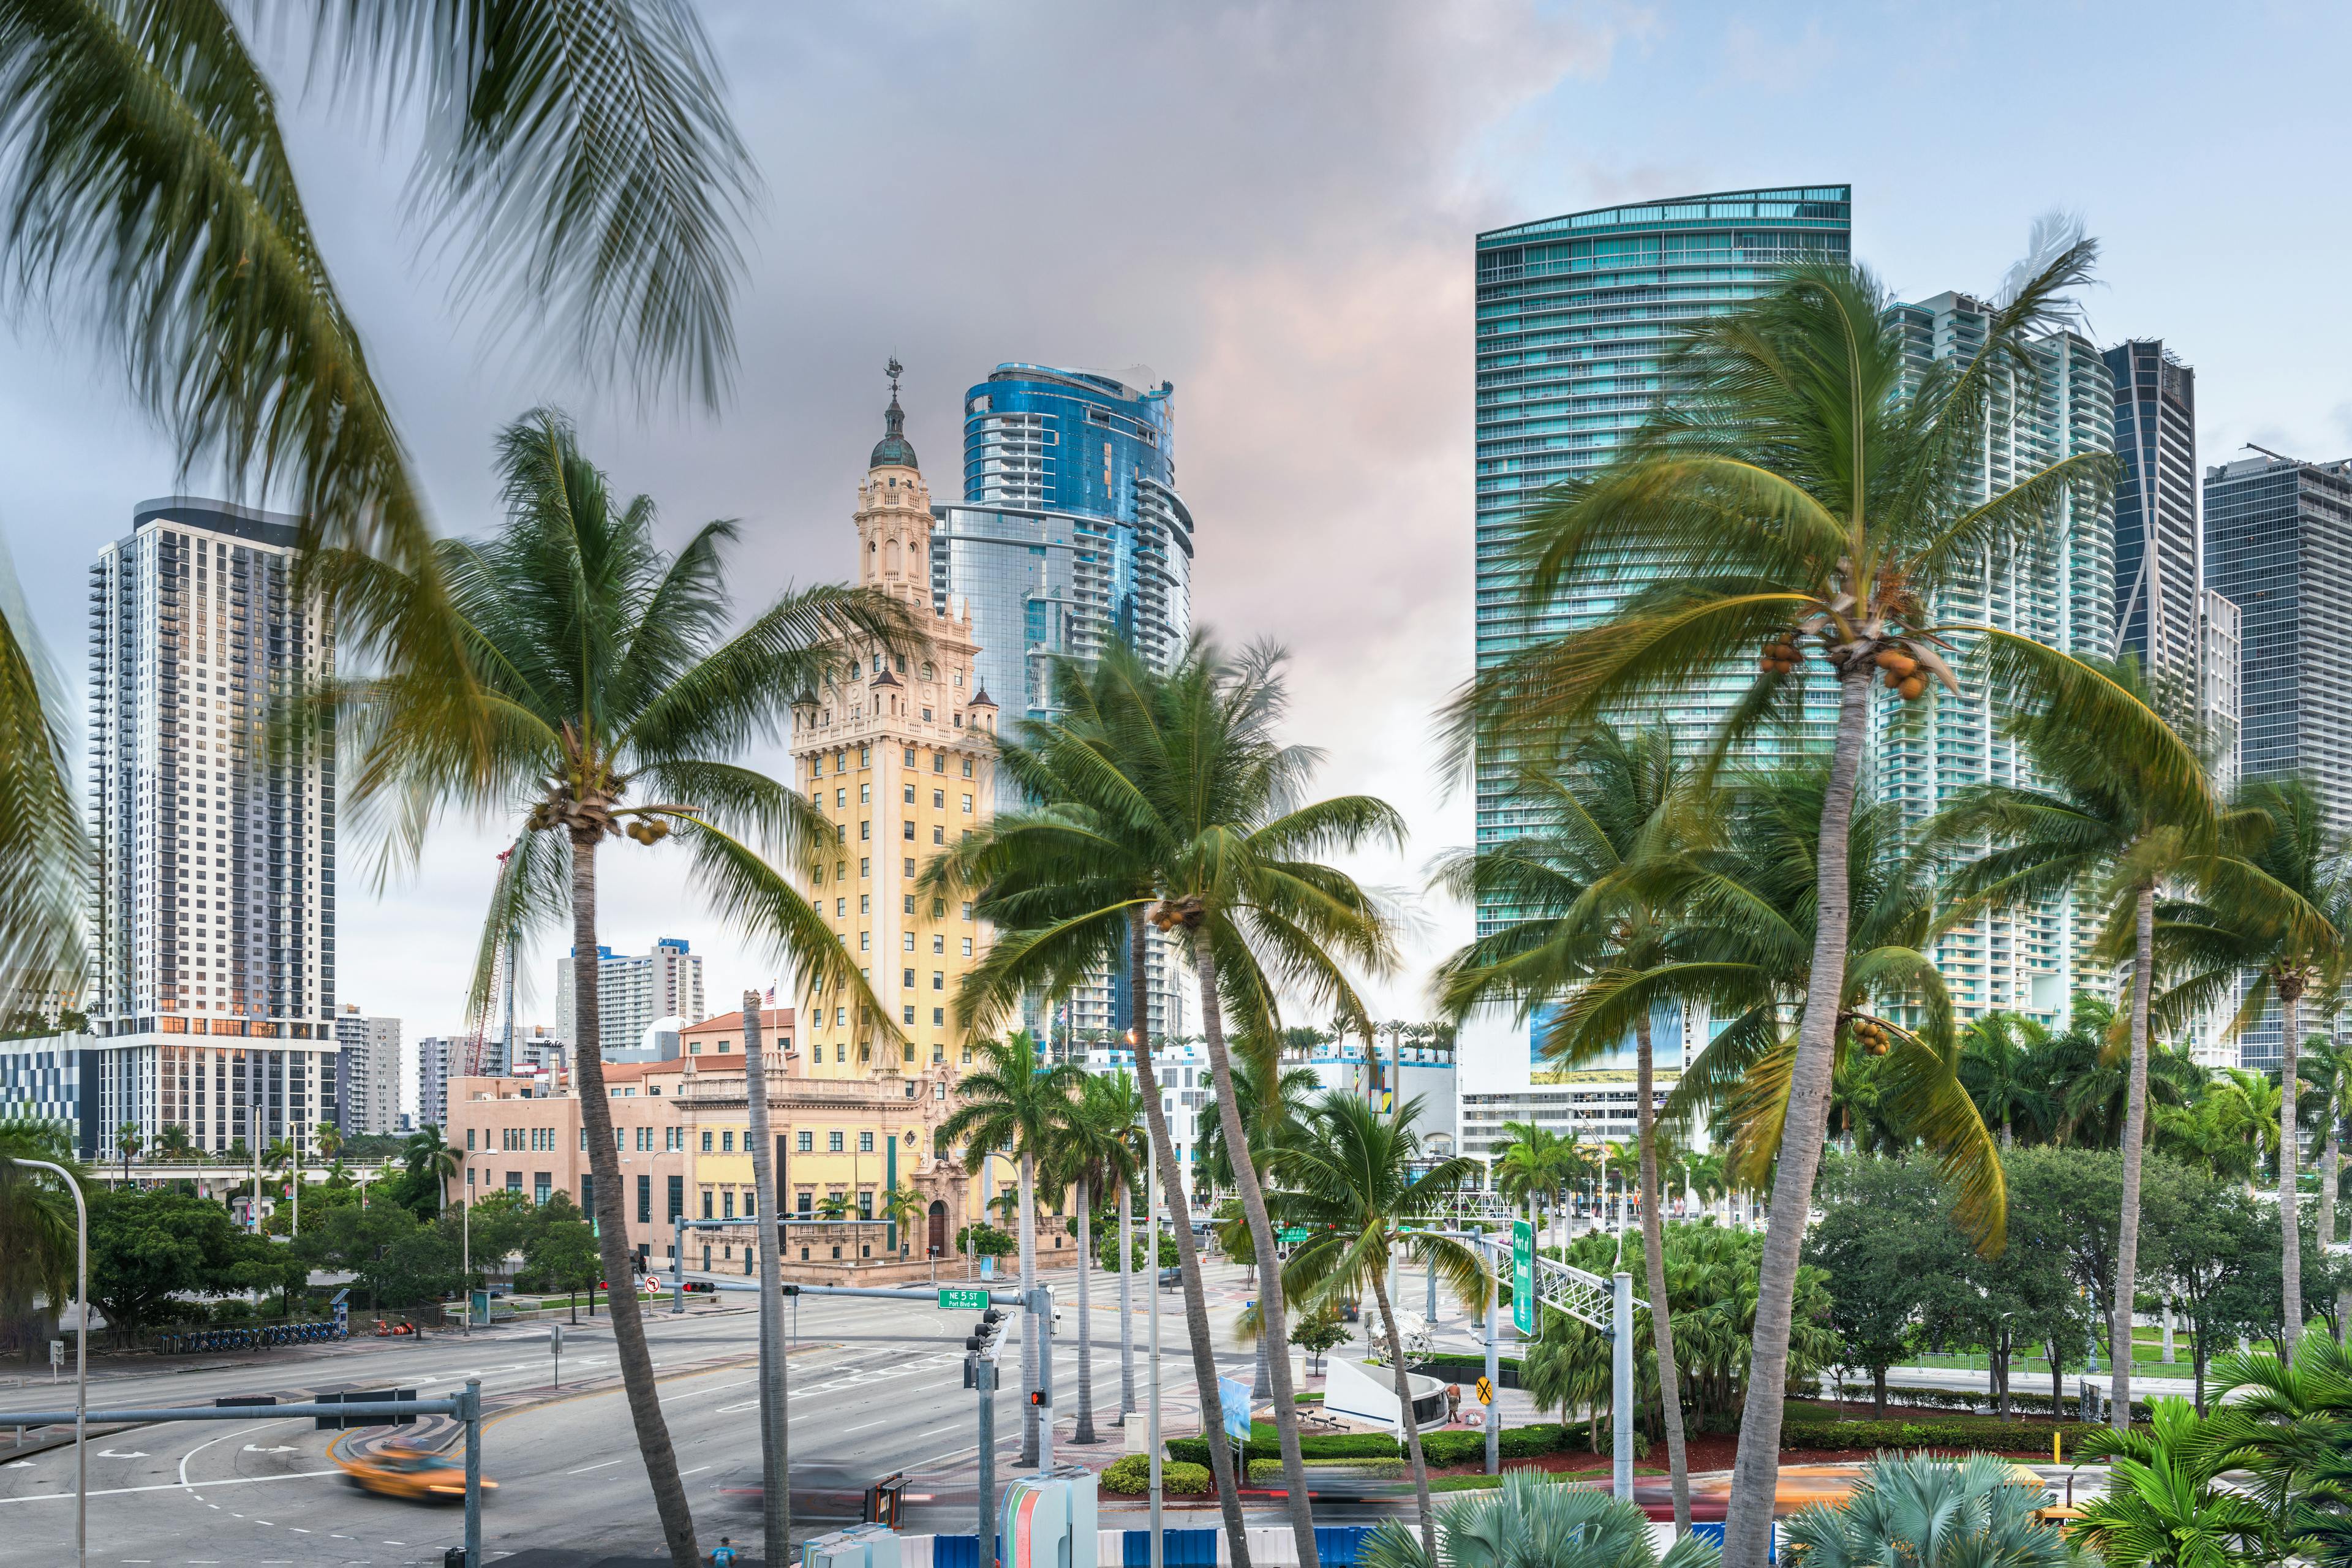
1574, 314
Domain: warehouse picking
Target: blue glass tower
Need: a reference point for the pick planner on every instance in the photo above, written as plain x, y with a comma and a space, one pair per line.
1574, 314
1071, 537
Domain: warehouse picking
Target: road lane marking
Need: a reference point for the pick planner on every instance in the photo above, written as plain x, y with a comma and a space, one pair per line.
177, 1486
598, 1466
696, 1471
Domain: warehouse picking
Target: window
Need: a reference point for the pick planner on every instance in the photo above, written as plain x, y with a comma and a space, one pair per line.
864, 903
751, 1204
840, 797
864, 867
909, 1011
722, 1048
865, 1142
966, 767
907, 830
865, 795
938, 1017
911, 795
833, 1143
727, 1204
939, 979
674, 1140
726, 1142
706, 1200
938, 800
469, 1138
864, 830
865, 1203
967, 947
677, 1198
910, 981
705, 1147
910, 870
514, 1180
841, 908
803, 1141
583, 1139
804, 1206
865, 756
864, 941
938, 942
540, 1183
911, 903
967, 803
910, 756
645, 1200
967, 908
939, 833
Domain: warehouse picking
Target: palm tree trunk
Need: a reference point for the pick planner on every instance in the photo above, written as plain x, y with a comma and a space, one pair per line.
2134, 1140
2290, 1152
1653, 1255
611, 1226
1032, 1331
775, 1413
2331, 1156
1085, 1427
1271, 1323
1404, 1415
1126, 1303
1188, 1255
1747, 1524
1262, 1378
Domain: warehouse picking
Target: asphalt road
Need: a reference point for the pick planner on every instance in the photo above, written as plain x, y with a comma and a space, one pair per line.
876, 1386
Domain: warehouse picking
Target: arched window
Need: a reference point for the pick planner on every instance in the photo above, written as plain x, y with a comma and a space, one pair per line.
929, 673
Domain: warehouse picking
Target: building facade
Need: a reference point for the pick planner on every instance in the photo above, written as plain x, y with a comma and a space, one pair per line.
900, 757
49, 1079
636, 991
213, 917
844, 1144
436, 1055
2055, 585
367, 1073
1574, 316
2159, 525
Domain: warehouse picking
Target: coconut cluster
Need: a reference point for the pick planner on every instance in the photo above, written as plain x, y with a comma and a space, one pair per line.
1780, 656
647, 830
1872, 1036
1902, 674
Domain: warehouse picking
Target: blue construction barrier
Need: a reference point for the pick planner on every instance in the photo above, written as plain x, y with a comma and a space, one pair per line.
1337, 1545
1713, 1532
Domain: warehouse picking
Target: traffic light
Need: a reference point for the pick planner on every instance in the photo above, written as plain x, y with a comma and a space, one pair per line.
983, 1344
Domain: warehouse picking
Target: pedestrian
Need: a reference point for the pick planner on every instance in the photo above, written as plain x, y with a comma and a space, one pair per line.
723, 1555
1453, 1403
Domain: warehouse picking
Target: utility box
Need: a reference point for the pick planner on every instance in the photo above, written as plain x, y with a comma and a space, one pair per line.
1048, 1520
859, 1546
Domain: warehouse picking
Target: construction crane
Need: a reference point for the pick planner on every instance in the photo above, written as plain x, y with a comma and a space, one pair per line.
502, 955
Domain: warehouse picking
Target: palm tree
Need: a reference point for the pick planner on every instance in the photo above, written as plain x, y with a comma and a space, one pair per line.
1621, 806
2166, 1504
1167, 797
41, 839
427, 1154
331, 1140
2285, 919
1532, 1165
127, 1143
1010, 1102
1997, 1062
174, 1142
38, 1227
1804, 486
600, 666
1115, 1100
1276, 1103
1357, 1183
2326, 1069
1529, 1523
2120, 825
1931, 1512
1090, 1157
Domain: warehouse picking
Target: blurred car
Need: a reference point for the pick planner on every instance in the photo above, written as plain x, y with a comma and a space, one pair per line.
403, 1472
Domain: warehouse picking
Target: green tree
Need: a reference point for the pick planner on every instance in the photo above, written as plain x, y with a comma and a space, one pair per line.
1919, 1510
1527, 1522
1620, 824
38, 1229
1169, 798
1360, 1186
599, 672
2285, 920
148, 1248
2165, 1505
1885, 1242
428, 1157
127, 1142
1008, 1101
1532, 1165
1320, 1331
1997, 1067
561, 1252
173, 1141
1804, 487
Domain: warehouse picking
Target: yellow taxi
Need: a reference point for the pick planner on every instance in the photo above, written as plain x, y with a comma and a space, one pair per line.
404, 1472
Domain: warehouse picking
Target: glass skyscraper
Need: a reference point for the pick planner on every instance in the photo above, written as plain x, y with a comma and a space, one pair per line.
1072, 536
2159, 528
2056, 586
1574, 314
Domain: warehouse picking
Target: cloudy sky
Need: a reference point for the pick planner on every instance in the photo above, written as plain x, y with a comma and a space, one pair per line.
1273, 205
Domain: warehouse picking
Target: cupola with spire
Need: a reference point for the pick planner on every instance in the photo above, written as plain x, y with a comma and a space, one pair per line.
894, 450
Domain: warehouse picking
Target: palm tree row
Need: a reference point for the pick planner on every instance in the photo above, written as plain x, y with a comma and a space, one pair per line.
1808, 490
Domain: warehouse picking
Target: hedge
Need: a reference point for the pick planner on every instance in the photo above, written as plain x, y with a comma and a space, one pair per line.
1969, 1400
1268, 1472
1451, 1446
1132, 1477
1264, 1444
1980, 1432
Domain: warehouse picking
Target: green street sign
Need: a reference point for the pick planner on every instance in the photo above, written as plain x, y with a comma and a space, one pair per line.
952, 1300
1523, 1277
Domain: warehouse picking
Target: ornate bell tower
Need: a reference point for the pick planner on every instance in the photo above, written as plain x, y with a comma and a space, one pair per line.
899, 758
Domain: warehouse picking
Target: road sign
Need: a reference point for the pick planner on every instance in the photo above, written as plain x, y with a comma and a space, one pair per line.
1523, 1277
963, 1300
355, 1396
1485, 1392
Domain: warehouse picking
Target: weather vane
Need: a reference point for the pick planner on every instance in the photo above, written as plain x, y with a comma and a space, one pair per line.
896, 370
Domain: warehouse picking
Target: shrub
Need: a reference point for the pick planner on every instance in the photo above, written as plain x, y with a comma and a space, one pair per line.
1980, 1432
1265, 1445
1131, 1476
1268, 1472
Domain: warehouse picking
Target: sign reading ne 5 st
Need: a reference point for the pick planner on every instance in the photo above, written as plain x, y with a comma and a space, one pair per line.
962, 1301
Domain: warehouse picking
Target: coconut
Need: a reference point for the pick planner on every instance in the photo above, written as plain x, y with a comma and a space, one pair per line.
1912, 686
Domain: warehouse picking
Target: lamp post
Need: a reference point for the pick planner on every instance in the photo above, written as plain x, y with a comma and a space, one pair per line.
81, 1357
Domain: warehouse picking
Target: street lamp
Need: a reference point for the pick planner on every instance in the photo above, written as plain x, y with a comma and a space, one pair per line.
81, 1357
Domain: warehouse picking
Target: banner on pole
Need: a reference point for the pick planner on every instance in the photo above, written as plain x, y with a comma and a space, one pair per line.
1523, 1277
1235, 1396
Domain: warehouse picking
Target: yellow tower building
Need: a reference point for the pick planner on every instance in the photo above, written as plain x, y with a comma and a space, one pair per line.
899, 759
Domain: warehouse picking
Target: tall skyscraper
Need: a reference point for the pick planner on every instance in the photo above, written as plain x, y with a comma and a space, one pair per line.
367, 1073
437, 1062
2159, 530
634, 991
1072, 536
900, 757
1574, 315
213, 917
2056, 586
2278, 545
